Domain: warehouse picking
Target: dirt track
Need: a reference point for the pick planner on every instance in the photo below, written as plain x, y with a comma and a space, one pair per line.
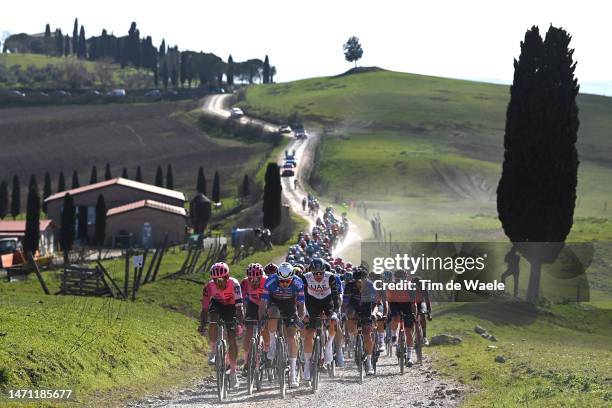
418, 387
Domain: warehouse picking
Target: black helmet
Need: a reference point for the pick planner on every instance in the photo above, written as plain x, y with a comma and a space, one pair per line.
316, 265
359, 274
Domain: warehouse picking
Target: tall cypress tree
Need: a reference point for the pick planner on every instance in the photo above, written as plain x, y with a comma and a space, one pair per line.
139, 174
82, 50
66, 45
67, 229
61, 182
164, 73
201, 182
75, 36
47, 191
47, 31
75, 180
272, 204
169, 178
100, 234
33, 183
4, 199
162, 49
93, 179
537, 191
124, 173
159, 177
229, 75
59, 42
266, 71
32, 231
245, 191
82, 225
15, 197
107, 172
216, 188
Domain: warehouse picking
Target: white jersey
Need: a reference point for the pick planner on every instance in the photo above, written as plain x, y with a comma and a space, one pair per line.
319, 290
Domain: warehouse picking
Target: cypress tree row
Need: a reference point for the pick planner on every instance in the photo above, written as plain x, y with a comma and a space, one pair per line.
169, 178
139, 174
75, 180
93, 179
107, 172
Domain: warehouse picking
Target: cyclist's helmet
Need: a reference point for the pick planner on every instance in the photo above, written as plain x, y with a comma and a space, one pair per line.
387, 276
349, 265
316, 265
285, 271
328, 267
399, 274
359, 274
339, 270
254, 270
219, 270
416, 279
271, 269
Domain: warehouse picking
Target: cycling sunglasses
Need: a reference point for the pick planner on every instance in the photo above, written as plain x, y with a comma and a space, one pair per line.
219, 281
318, 273
285, 280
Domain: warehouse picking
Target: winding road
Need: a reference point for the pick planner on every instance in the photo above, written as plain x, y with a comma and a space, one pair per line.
420, 386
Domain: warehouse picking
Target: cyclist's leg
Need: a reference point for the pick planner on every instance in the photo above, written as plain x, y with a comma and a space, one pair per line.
293, 352
273, 316
251, 314
408, 328
310, 331
213, 316
228, 314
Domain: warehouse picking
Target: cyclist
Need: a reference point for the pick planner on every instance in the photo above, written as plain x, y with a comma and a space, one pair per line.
222, 300
283, 295
322, 298
360, 302
271, 269
402, 302
252, 289
423, 306
304, 202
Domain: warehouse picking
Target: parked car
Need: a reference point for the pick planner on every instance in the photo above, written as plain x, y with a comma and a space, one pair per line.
94, 92
60, 94
301, 135
16, 93
288, 173
154, 93
117, 92
236, 113
288, 166
284, 129
291, 163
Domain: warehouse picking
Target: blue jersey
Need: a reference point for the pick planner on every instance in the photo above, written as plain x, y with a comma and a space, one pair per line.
274, 291
339, 284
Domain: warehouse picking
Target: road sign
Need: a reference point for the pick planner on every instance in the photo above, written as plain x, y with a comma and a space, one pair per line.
138, 260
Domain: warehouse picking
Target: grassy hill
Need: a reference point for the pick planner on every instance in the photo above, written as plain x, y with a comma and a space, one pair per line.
64, 138
427, 151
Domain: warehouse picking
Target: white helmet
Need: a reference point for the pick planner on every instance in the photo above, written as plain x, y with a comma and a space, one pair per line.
285, 271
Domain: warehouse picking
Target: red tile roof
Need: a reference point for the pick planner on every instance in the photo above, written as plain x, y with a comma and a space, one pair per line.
122, 182
15, 228
149, 204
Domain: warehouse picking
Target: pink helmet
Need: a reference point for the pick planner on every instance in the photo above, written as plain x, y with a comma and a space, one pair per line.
254, 270
219, 270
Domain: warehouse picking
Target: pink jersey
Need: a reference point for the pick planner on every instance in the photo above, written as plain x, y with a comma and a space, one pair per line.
231, 295
400, 296
250, 293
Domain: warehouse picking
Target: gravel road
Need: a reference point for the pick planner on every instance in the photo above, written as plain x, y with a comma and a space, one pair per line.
420, 386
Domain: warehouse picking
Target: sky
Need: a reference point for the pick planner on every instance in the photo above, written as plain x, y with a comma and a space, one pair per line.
468, 39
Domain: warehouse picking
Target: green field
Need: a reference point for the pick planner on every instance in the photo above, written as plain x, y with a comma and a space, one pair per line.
556, 356
426, 152
120, 77
63, 138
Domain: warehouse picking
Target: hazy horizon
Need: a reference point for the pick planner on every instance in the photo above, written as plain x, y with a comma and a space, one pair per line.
469, 40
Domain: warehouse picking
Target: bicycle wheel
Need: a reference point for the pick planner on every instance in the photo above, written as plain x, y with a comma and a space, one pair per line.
281, 367
401, 350
252, 366
261, 368
314, 375
359, 357
299, 364
220, 370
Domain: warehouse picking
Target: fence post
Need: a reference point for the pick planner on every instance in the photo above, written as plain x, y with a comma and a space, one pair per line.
127, 272
38, 274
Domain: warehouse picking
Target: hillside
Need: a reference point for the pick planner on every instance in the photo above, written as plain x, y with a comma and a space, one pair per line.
428, 150
37, 71
65, 138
